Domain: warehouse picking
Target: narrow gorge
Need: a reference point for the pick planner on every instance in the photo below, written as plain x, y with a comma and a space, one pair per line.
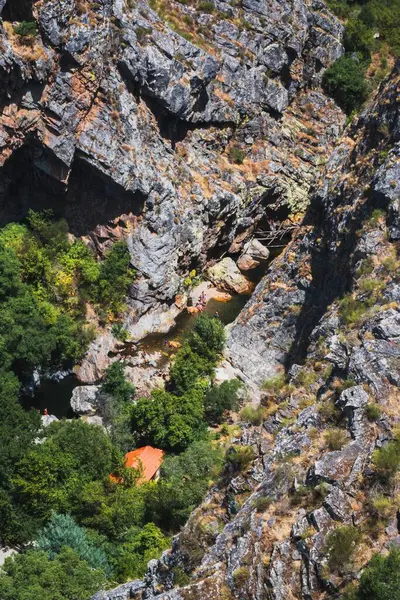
199, 253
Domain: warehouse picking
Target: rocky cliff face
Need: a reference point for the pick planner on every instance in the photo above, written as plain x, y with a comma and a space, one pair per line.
327, 314
187, 130
179, 128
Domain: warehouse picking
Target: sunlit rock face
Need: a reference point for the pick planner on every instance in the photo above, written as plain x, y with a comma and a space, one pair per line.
183, 141
327, 316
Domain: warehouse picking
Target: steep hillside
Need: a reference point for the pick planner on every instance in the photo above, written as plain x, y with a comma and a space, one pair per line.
180, 127
320, 335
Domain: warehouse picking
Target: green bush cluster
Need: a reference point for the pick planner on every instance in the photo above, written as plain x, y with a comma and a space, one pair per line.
173, 418
386, 461
341, 546
346, 80
236, 155
26, 29
45, 282
380, 580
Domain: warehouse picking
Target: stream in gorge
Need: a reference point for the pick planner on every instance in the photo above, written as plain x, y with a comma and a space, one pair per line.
55, 396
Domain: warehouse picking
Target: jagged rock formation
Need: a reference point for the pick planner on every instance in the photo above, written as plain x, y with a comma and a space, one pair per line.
134, 121
262, 533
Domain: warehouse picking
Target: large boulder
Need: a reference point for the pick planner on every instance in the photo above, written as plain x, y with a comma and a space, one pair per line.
226, 275
83, 400
253, 255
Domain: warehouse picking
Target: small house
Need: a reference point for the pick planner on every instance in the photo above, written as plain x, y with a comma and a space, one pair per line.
148, 460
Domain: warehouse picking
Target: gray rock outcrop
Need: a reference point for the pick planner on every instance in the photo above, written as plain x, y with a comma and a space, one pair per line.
83, 399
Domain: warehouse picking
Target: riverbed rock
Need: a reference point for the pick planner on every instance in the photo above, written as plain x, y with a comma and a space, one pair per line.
83, 399
48, 420
253, 255
96, 359
226, 275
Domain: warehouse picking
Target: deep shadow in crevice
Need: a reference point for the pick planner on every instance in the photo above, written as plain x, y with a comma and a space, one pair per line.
33, 178
17, 10
174, 129
331, 270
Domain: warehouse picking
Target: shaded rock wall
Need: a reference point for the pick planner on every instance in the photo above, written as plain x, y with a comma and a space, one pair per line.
124, 122
262, 533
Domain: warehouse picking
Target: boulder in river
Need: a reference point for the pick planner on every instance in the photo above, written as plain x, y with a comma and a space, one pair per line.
226, 275
254, 255
83, 400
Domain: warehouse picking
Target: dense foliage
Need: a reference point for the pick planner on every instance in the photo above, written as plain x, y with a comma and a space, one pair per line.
173, 419
371, 32
45, 281
34, 575
381, 579
59, 492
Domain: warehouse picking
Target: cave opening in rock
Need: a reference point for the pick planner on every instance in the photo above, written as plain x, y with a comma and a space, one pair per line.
17, 10
34, 179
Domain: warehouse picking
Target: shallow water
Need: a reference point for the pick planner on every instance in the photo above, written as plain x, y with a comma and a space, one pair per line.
158, 342
56, 396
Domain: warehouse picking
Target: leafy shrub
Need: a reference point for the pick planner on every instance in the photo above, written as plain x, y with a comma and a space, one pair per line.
206, 7
352, 310
221, 398
119, 332
386, 461
138, 546
142, 33
262, 503
188, 368
49, 475
336, 438
207, 337
329, 411
239, 458
180, 577
241, 576
252, 414
184, 480
381, 579
114, 278
62, 531
115, 383
168, 421
236, 155
373, 412
306, 377
341, 545
34, 575
26, 29
382, 506
344, 81
274, 384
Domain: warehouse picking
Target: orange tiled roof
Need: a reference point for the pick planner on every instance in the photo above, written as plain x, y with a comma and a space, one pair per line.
148, 457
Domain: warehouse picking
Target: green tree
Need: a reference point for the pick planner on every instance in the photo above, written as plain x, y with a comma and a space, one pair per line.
381, 579
168, 421
112, 508
183, 483
188, 368
62, 531
33, 575
115, 402
345, 82
207, 337
50, 476
114, 279
116, 385
138, 546
341, 546
387, 461
221, 398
